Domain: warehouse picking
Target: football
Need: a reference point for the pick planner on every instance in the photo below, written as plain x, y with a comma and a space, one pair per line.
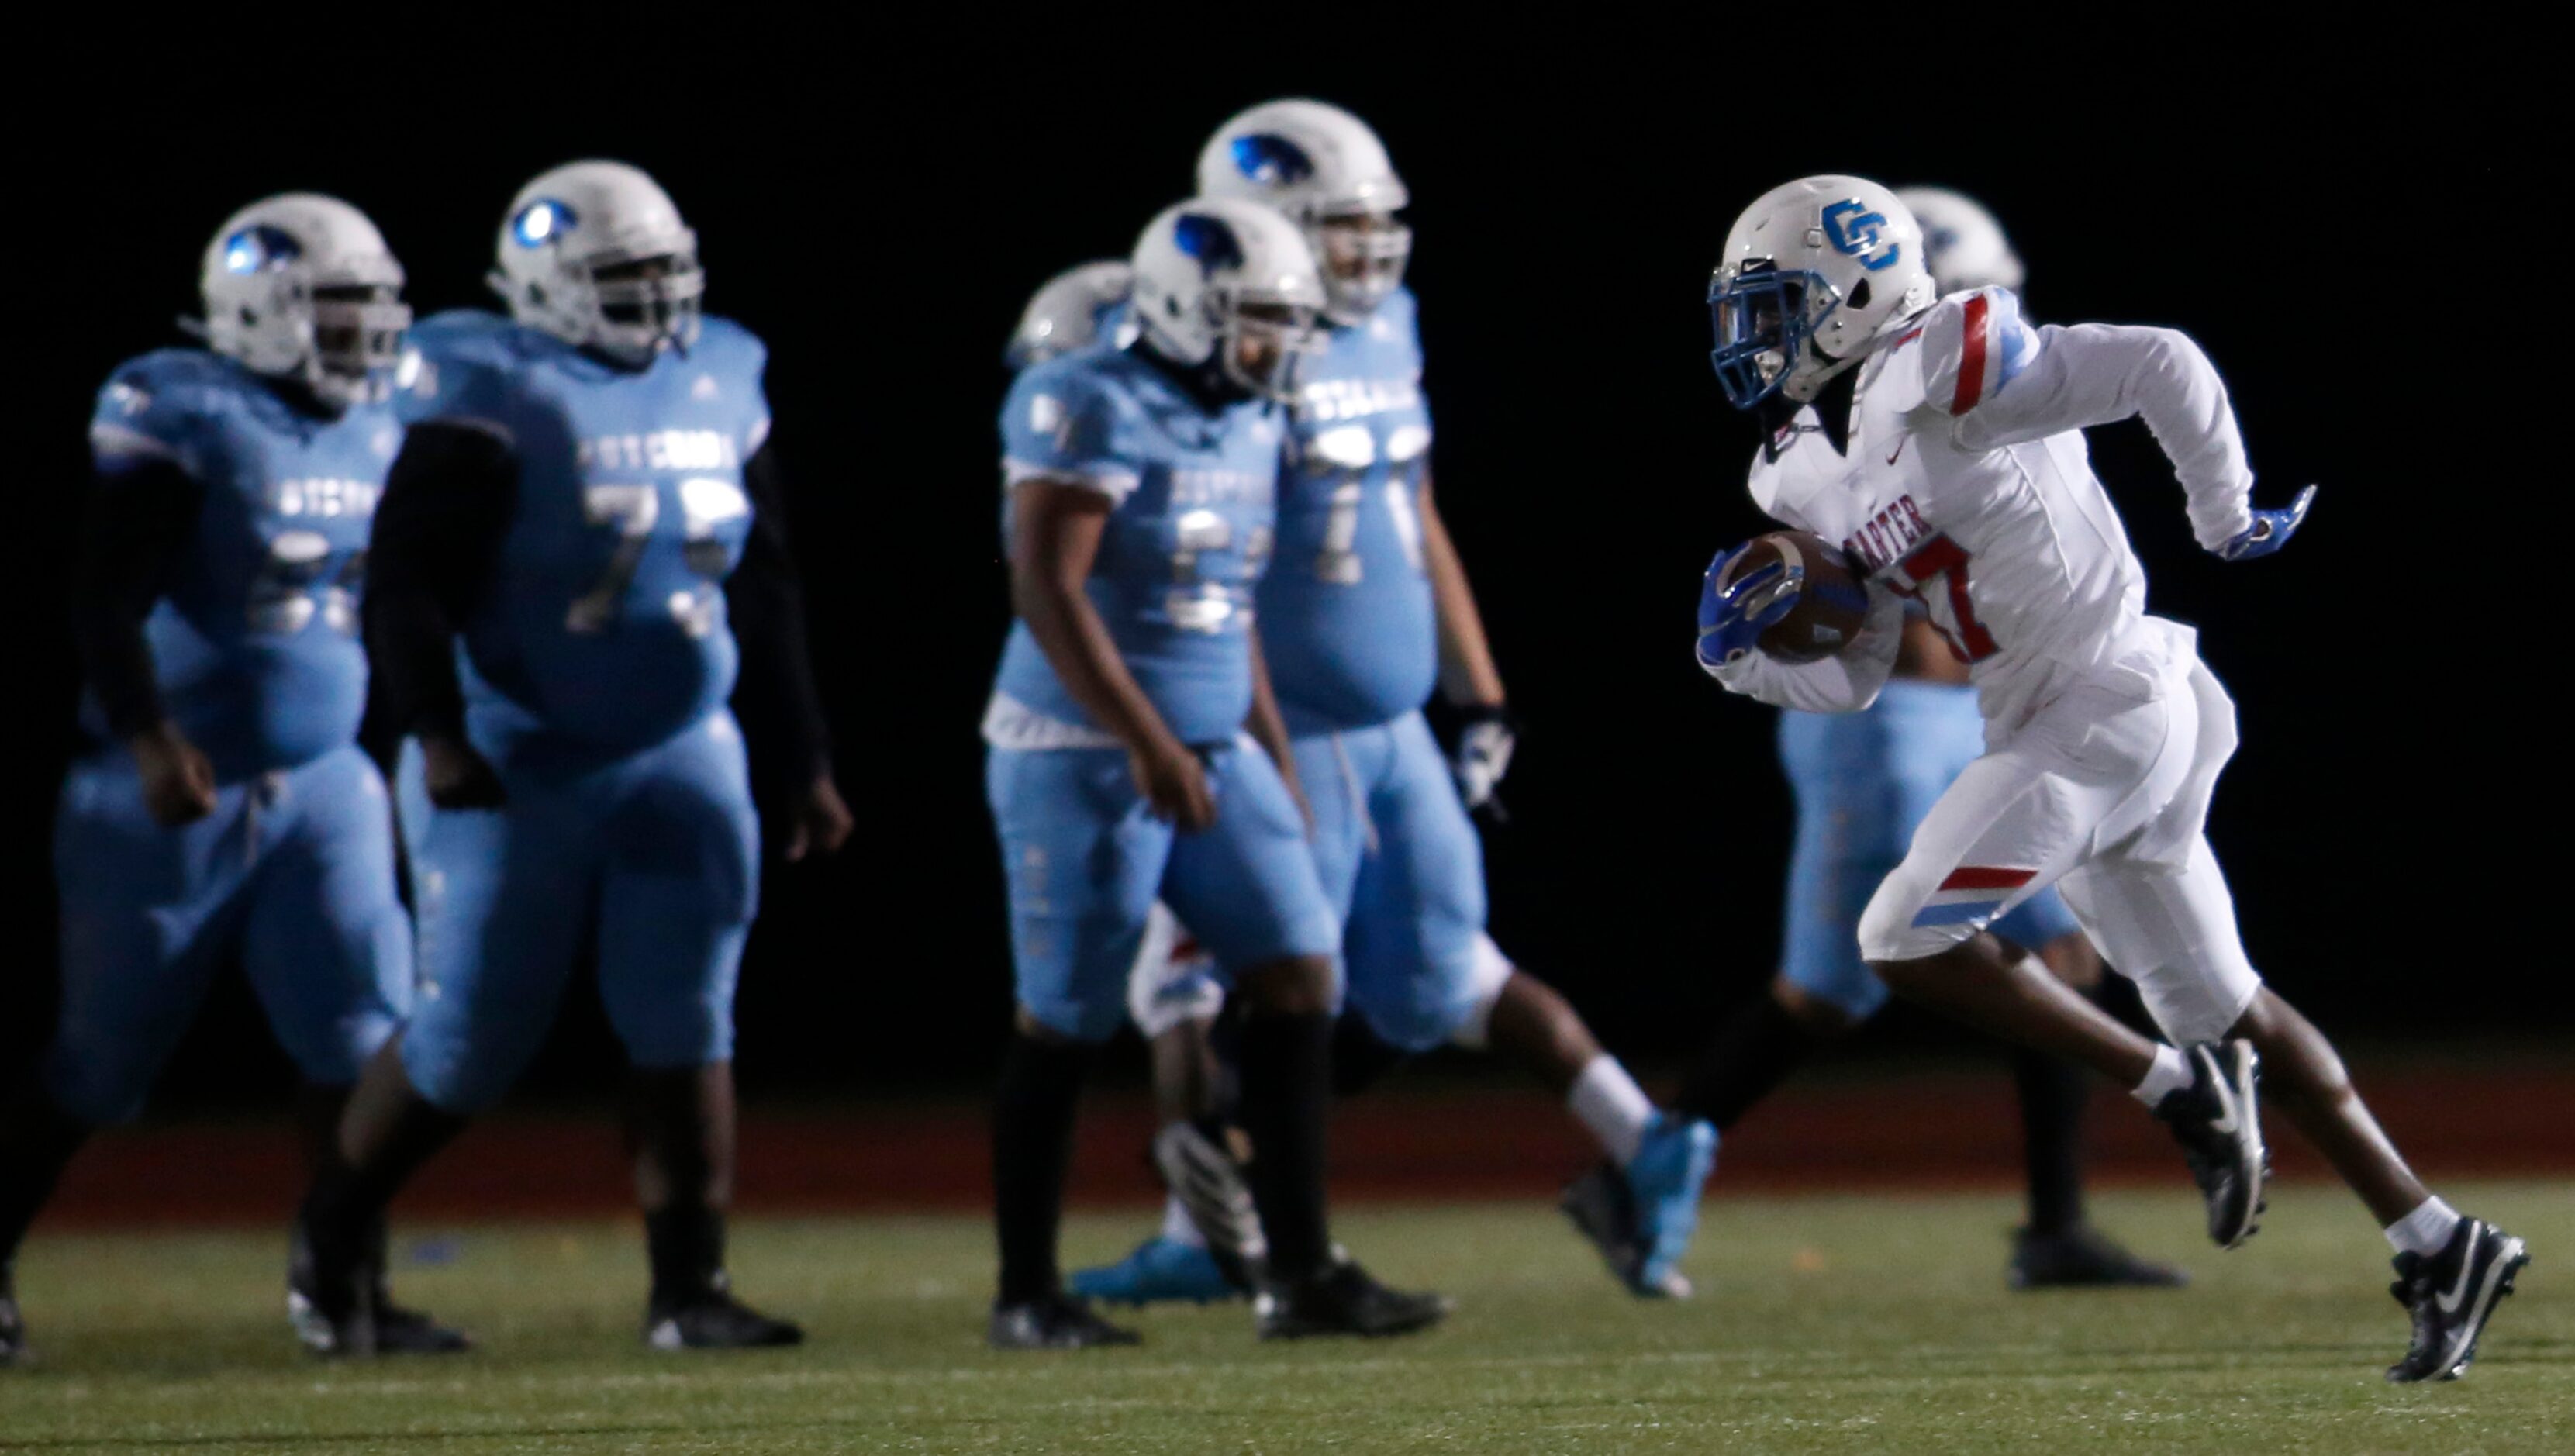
1831, 604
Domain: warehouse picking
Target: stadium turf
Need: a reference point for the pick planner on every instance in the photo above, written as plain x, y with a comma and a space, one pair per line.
1823, 1324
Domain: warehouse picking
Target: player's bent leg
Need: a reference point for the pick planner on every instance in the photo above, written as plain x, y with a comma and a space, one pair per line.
1249, 889
329, 952
146, 913
1081, 859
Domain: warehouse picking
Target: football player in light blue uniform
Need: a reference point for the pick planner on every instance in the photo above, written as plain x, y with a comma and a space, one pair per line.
1136, 753
580, 552
1864, 782
1365, 611
222, 805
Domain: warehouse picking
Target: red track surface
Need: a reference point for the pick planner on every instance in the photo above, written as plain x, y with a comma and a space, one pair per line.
1939, 1129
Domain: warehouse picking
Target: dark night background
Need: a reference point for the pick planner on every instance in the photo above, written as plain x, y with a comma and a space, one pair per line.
880, 206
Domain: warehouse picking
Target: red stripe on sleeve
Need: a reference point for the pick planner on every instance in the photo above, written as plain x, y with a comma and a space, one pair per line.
1988, 877
1971, 359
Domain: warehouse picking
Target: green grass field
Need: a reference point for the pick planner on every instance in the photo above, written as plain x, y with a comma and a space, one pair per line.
1825, 1324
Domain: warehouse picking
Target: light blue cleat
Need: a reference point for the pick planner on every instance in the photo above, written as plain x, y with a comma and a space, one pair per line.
1164, 1270
1672, 1165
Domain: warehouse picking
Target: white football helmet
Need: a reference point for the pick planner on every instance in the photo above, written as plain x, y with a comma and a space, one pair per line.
1064, 314
301, 287
1962, 245
1329, 172
1815, 275
1232, 281
595, 254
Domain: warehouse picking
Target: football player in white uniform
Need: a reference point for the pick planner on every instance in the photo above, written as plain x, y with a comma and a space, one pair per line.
1863, 781
1941, 445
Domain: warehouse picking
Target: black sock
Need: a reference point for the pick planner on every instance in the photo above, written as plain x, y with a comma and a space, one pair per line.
1287, 1070
35, 1147
686, 1246
1032, 1149
2052, 1093
1360, 1057
344, 1211
1754, 1052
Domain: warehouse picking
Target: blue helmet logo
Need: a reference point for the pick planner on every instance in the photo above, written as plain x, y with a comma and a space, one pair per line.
1208, 240
541, 221
1272, 160
260, 247
1854, 228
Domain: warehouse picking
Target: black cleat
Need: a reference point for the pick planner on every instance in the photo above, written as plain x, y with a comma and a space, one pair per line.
1343, 1300
330, 1295
13, 1330
1057, 1322
342, 1306
2218, 1123
401, 1331
2452, 1294
2084, 1257
709, 1318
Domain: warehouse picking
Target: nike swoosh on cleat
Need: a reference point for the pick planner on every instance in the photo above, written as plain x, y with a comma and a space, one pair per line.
2450, 1301
2466, 1338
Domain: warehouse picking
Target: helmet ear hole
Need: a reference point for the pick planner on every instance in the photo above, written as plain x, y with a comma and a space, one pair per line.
249, 319
1859, 295
537, 294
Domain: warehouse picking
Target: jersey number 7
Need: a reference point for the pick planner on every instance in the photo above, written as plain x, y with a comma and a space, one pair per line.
705, 502
1942, 557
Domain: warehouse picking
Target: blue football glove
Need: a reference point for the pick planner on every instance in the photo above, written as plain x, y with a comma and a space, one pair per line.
1732, 619
2270, 530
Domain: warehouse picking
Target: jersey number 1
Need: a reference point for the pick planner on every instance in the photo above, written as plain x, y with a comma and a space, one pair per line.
1942, 557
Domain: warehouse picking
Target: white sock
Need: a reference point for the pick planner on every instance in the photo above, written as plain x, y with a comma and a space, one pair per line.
1607, 1101
2424, 1231
1179, 1227
2170, 1073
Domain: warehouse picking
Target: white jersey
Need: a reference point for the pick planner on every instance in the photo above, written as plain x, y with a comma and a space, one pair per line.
1966, 485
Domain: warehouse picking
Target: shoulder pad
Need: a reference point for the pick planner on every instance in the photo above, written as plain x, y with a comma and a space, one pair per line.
456, 366
731, 342
1973, 345
145, 408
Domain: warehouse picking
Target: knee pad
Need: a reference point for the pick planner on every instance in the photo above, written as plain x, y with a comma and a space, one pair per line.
1891, 927
1488, 971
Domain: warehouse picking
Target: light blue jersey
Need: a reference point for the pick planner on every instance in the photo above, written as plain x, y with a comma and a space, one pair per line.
604, 622
255, 641
256, 657
1187, 537
1348, 622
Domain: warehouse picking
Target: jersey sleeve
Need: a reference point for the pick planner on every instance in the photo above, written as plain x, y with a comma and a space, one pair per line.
1062, 425
144, 417
1974, 345
2005, 383
454, 375
740, 357
1847, 681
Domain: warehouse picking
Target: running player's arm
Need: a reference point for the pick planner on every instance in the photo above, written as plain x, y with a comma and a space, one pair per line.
1467, 676
1847, 681
141, 516
764, 600
1056, 526
2004, 382
437, 536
